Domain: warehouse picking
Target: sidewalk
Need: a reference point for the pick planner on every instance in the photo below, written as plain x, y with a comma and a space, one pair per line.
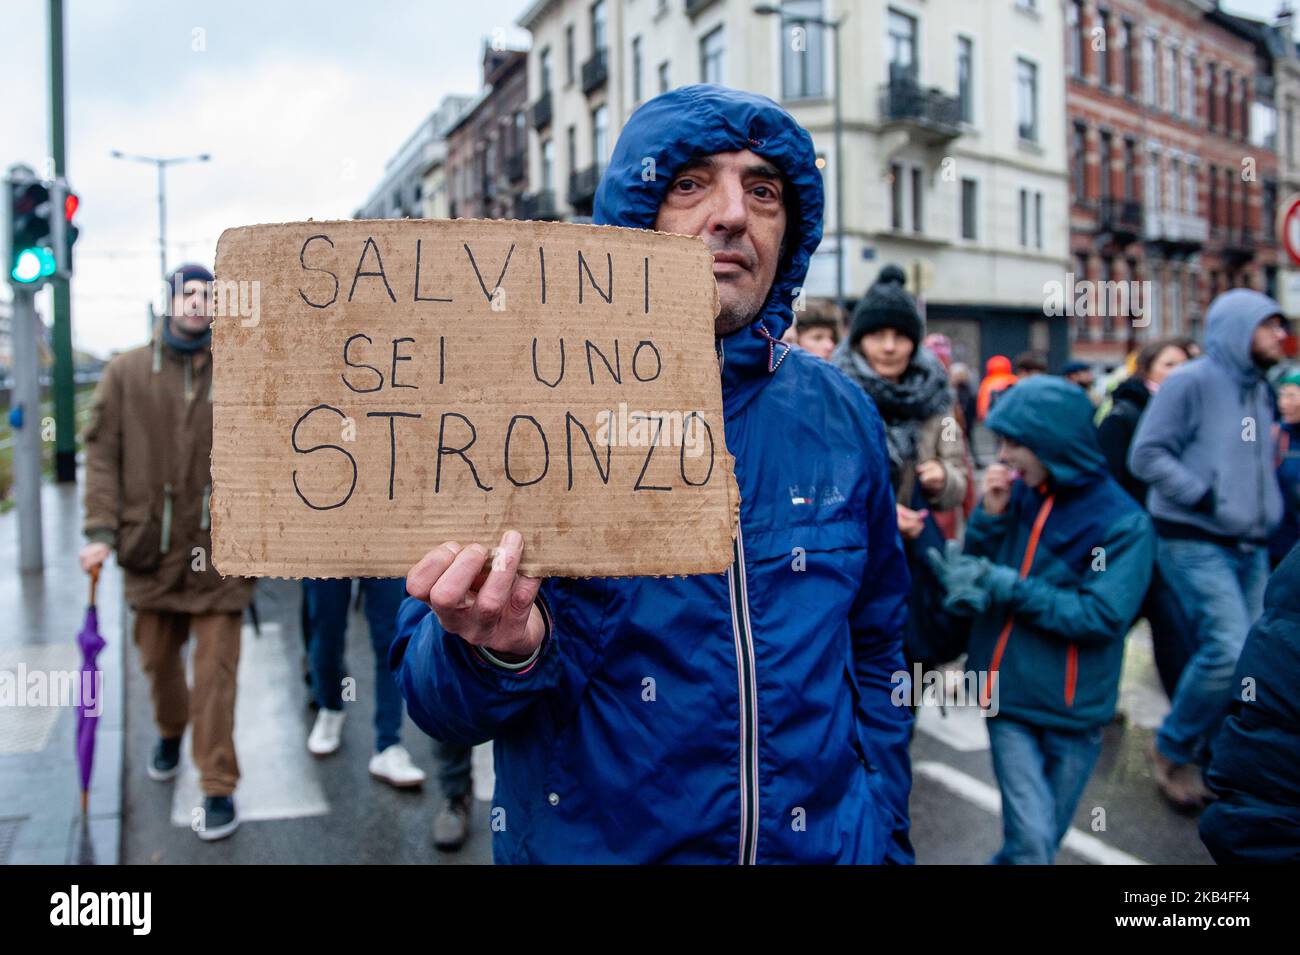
40, 615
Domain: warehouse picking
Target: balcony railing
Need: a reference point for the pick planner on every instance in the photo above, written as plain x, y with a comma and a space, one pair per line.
1120, 217
931, 111
536, 205
582, 185
1239, 244
542, 111
595, 71
1174, 228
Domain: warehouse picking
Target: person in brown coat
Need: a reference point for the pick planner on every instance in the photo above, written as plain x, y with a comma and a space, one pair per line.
148, 448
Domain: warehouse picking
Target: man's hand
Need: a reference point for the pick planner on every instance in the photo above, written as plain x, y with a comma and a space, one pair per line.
997, 489
489, 606
910, 522
932, 476
93, 555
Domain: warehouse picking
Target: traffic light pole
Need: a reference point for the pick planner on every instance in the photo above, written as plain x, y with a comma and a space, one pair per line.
27, 431
63, 384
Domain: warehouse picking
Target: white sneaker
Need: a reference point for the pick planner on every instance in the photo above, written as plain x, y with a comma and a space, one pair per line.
394, 767
326, 735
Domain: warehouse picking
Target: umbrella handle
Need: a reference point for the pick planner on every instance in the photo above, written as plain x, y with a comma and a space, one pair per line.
94, 582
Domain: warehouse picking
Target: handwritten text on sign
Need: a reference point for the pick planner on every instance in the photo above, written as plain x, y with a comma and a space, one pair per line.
383, 386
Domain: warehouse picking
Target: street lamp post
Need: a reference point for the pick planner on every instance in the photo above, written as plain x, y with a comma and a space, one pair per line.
765, 9
161, 162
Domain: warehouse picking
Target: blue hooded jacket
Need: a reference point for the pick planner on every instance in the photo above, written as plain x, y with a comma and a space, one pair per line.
1058, 663
1205, 443
736, 717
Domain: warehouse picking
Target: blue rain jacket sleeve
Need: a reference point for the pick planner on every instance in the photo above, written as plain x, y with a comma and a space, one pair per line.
455, 694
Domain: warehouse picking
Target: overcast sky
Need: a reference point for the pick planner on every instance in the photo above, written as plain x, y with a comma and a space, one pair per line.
299, 104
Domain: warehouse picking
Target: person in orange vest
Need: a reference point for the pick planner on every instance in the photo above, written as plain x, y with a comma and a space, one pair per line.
998, 377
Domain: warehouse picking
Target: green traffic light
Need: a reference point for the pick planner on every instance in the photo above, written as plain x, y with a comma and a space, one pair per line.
32, 265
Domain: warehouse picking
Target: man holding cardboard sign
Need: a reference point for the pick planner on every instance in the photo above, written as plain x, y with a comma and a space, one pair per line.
743, 716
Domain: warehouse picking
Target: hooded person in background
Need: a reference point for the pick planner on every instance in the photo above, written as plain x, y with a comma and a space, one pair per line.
1056, 563
771, 735
1205, 446
1172, 635
148, 448
998, 377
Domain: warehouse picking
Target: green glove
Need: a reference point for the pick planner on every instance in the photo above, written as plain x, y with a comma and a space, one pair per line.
972, 584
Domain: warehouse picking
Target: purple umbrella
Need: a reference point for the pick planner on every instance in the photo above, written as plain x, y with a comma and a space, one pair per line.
91, 643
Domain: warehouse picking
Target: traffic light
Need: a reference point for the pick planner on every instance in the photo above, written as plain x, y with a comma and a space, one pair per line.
63, 229
31, 252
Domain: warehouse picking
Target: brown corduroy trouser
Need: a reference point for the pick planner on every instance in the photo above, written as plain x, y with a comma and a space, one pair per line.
210, 706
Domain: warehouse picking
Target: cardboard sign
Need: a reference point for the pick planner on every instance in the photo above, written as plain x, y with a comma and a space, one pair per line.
383, 386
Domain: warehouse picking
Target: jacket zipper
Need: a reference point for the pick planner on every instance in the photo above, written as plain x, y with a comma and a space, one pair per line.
748, 693
1031, 547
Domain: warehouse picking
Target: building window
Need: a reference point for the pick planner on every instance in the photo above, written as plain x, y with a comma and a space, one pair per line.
1213, 197
1107, 317
965, 79
1079, 162
664, 84
1104, 161
598, 33
599, 136
1151, 185
1107, 72
1171, 79
969, 204
1038, 220
571, 149
1149, 70
896, 196
1130, 169
1074, 17
636, 70
903, 65
1263, 126
548, 165
1024, 217
1173, 183
1031, 218
916, 198
544, 68
802, 47
1227, 102
1129, 41
711, 52
1211, 96
570, 55
1027, 99
1189, 87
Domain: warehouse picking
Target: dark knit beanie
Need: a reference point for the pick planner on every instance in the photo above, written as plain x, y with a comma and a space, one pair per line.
887, 304
187, 273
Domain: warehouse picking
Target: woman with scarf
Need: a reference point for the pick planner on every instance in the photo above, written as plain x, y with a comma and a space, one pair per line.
882, 353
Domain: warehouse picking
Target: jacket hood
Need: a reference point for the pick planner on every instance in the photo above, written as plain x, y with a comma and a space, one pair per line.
1053, 418
998, 365
1230, 324
1132, 389
673, 129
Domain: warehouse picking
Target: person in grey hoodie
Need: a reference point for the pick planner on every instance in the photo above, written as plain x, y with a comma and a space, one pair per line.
1205, 447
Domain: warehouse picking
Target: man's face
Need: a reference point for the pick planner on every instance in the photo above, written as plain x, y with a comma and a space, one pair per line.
819, 340
192, 308
735, 202
1083, 379
1019, 458
1266, 344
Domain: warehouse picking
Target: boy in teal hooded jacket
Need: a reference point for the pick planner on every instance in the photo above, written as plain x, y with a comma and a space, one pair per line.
1055, 564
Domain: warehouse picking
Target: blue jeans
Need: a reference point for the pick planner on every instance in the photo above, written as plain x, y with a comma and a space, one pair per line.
327, 612
1223, 591
1042, 773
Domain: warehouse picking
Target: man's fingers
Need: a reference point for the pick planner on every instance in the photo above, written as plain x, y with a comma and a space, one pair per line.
495, 592
522, 596
449, 593
421, 578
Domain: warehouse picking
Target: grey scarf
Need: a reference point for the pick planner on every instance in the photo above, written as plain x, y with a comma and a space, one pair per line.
905, 405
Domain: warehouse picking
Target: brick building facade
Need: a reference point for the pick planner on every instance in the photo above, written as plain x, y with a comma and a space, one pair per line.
487, 147
1171, 137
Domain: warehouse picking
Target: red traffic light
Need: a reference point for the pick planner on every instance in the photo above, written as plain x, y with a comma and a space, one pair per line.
70, 203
